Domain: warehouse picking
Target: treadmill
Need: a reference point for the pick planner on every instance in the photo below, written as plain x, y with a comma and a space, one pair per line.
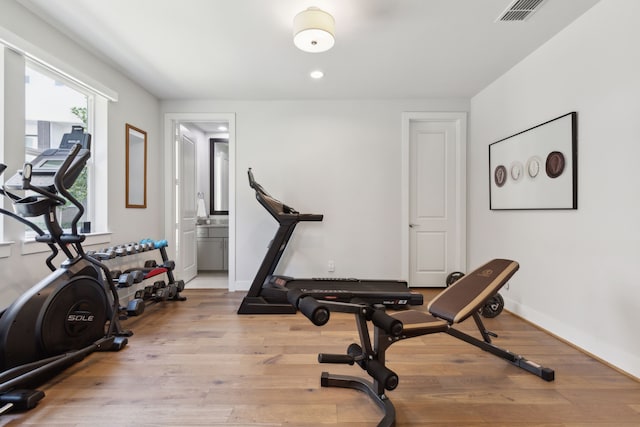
268, 292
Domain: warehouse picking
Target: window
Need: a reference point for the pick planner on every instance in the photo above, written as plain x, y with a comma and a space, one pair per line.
53, 105
54, 97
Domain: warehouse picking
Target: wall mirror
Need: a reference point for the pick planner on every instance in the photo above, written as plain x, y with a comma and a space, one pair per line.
136, 167
219, 175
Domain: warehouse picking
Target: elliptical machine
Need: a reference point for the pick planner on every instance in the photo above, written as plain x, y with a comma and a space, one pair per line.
71, 313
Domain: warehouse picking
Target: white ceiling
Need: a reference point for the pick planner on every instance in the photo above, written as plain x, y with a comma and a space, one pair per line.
243, 49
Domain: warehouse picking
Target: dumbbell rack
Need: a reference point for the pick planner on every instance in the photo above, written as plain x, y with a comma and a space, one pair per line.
138, 286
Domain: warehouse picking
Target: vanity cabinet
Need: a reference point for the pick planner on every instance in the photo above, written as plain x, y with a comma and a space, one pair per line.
213, 246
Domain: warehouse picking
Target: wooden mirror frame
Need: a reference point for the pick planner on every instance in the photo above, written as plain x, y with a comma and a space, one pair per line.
136, 167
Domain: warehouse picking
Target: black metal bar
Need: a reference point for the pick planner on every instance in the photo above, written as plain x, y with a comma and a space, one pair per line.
483, 331
383, 402
546, 374
165, 259
53, 363
258, 305
271, 259
38, 230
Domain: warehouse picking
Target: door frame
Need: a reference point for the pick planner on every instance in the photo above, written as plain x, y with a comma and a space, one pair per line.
169, 180
460, 121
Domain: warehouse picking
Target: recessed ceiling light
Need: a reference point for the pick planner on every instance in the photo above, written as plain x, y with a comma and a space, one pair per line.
222, 128
316, 74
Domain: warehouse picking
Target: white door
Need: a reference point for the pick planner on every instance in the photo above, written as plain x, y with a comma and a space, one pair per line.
436, 199
186, 197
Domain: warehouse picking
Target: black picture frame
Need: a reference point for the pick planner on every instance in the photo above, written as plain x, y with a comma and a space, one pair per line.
536, 168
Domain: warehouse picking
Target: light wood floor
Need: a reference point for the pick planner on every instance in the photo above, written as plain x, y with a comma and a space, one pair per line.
198, 363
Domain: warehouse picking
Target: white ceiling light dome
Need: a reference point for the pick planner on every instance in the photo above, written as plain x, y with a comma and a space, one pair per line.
313, 30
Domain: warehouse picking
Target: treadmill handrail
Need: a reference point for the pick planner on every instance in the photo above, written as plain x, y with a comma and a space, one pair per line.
310, 217
280, 211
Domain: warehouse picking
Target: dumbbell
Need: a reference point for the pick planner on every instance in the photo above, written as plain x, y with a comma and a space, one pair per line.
145, 293
120, 251
101, 256
125, 280
135, 307
180, 285
172, 290
138, 275
150, 263
169, 265
161, 292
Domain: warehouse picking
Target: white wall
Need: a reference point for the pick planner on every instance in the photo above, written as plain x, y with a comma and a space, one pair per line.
338, 158
134, 105
577, 276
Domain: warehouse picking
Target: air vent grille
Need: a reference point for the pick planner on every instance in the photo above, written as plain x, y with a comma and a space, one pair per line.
520, 10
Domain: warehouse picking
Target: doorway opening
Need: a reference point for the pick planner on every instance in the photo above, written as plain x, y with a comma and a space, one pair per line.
201, 228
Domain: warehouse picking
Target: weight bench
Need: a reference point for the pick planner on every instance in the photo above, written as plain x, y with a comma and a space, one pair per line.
453, 305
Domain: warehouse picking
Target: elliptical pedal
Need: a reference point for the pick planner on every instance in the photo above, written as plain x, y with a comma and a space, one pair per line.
21, 399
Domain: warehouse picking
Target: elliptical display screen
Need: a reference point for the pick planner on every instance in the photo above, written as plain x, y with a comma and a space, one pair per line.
51, 164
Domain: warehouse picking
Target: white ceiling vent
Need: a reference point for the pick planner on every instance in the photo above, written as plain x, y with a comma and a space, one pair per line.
519, 10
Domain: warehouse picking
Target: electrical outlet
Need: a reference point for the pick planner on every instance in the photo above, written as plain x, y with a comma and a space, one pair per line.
331, 266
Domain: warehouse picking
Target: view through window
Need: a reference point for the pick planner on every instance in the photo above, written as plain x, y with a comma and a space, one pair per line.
52, 106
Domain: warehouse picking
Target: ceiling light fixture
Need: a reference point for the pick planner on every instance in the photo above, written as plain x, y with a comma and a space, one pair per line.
316, 74
313, 30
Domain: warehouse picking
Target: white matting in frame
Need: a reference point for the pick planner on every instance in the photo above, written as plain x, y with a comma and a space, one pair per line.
536, 168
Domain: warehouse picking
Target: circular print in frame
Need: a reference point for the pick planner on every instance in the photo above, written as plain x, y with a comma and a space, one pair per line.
500, 175
555, 164
533, 166
516, 171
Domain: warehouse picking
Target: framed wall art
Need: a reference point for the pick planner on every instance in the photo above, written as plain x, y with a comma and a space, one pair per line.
536, 168
136, 167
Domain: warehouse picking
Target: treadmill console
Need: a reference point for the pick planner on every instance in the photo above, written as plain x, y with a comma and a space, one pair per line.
45, 166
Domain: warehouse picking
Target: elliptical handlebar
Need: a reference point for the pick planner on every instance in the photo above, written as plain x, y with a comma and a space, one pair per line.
27, 169
14, 198
58, 180
61, 172
49, 176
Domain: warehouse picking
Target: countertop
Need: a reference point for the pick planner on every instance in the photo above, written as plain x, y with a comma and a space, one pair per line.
219, 223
